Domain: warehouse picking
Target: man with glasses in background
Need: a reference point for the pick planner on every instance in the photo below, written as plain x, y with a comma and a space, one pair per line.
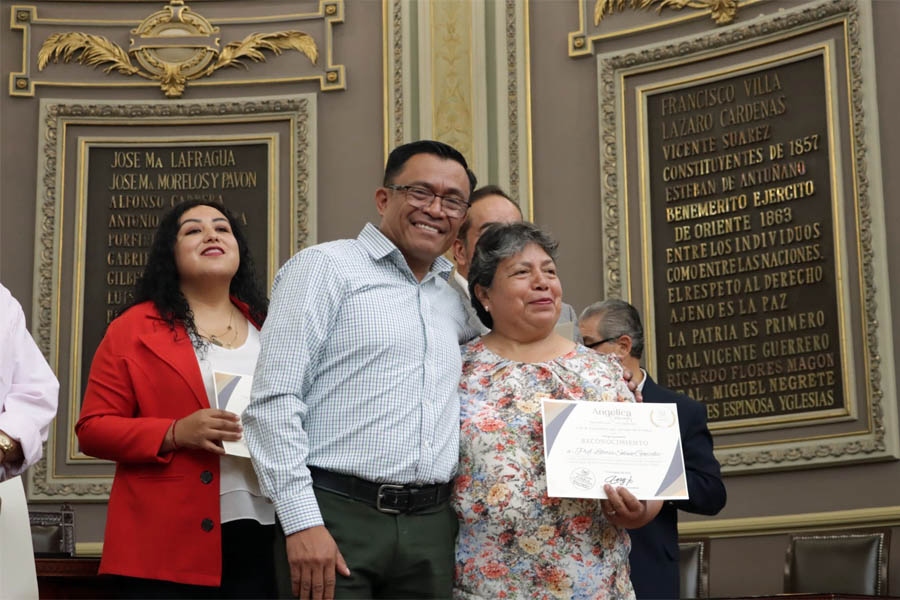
614, 326
354, 421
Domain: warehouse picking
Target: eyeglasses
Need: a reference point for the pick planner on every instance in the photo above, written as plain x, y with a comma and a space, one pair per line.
453, 206
603, 341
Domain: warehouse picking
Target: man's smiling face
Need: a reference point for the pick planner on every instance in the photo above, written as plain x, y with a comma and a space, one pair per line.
422, 234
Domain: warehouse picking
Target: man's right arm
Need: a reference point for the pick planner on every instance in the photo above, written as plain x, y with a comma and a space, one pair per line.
306, 297
314, 557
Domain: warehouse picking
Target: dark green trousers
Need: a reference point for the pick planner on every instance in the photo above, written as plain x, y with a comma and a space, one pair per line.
389, 556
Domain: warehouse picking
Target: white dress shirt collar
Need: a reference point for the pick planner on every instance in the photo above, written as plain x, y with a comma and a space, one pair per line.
463, 282
640, 386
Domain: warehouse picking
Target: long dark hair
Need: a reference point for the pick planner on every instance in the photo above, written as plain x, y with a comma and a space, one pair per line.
159, 282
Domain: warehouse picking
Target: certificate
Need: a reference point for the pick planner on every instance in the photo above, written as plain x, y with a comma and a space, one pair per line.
633, 445
233, 395
18, 578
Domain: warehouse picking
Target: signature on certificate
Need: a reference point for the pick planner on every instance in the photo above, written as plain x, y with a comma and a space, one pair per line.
623, 480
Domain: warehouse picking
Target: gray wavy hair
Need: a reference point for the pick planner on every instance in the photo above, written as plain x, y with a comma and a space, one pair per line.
497, 243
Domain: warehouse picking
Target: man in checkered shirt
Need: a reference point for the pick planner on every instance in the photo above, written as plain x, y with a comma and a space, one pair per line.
354, 421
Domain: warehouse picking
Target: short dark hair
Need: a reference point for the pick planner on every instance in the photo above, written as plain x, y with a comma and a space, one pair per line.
160, 282
498, 242
399, 155
617, 318
479, 194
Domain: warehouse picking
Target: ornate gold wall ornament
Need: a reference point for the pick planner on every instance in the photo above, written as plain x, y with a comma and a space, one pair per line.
451, 80
590, 32
173, 46
721, 11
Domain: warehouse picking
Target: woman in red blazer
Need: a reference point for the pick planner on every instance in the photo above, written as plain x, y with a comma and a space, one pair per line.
150, 407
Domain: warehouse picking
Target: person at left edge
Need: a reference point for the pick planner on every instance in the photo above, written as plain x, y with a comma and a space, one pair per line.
354, 422
184, 520
28, 398
28, 392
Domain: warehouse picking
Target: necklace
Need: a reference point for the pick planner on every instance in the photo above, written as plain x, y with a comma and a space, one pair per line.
220, 339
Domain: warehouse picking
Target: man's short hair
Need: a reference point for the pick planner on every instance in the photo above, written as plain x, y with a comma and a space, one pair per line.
399, 155
617, 318
479, 194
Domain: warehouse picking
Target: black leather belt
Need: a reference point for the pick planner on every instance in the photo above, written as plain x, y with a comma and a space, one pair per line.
385, 497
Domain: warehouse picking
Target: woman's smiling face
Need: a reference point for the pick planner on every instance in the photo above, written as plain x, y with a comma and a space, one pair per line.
205, 246
525, 291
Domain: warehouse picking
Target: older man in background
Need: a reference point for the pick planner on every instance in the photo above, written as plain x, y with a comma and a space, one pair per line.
489, 205
614, 326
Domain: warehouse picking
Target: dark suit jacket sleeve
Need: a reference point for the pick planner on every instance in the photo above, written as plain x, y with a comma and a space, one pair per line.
705, 487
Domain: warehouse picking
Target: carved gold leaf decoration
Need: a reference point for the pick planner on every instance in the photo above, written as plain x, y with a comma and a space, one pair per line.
721, 11
172, 80
251, 46
92, 50
602, 7
95, 50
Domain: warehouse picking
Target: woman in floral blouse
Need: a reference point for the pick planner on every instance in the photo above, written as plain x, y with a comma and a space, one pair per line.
514, 541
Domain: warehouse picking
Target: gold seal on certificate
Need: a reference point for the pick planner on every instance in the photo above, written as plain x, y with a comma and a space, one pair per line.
590, 444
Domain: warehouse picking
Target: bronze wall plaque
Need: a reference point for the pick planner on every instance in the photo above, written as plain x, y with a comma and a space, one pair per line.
744, 267
107, 173
842, 409
129, 189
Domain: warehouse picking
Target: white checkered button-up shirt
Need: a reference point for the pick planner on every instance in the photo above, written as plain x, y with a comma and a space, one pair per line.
358, 374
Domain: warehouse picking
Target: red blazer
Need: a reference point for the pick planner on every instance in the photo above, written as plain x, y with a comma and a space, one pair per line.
163, 518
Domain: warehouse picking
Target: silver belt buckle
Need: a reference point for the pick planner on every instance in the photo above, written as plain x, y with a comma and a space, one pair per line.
381, 488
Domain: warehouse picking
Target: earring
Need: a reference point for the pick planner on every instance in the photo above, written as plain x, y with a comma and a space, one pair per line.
487, 308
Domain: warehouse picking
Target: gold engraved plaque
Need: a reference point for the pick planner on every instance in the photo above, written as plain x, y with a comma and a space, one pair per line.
109, 171
741, 217
745, 272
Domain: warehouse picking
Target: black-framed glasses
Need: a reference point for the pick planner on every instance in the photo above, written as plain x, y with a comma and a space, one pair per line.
603, 341
452, 205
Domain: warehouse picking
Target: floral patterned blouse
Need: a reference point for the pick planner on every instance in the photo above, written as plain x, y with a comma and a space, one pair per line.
514, 541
